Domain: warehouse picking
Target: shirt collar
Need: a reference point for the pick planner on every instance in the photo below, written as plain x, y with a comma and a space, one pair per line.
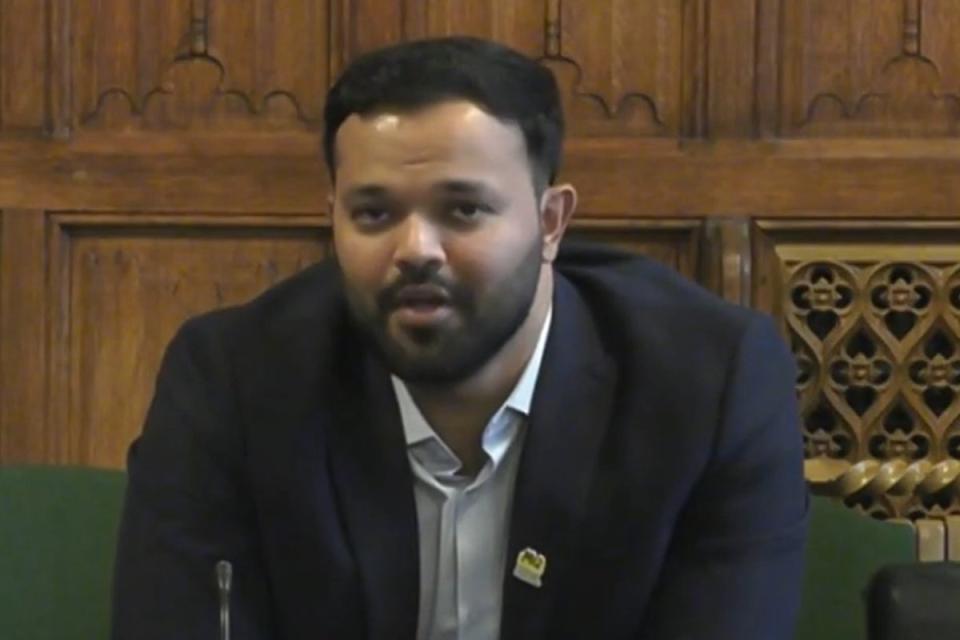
521, 397
417, 429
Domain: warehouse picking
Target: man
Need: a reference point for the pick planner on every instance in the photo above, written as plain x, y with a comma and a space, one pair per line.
456, 429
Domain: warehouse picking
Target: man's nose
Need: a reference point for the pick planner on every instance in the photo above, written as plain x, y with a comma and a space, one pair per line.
419, 245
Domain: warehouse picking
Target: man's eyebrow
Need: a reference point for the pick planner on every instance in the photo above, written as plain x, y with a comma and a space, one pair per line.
366, 191
464, 187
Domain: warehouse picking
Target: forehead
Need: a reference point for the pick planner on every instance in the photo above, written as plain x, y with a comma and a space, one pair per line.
455, 139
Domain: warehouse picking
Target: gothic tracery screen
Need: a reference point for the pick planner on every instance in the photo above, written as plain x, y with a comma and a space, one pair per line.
875, 329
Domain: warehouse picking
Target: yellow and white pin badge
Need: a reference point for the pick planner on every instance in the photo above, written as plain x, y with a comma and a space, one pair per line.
530, 567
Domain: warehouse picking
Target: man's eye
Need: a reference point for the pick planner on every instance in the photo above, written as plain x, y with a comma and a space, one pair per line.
468, 210
370, 215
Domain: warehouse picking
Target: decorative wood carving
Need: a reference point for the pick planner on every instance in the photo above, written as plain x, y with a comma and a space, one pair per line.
370, 24
873, 315
625, 67
871, 67
916, 490
622, 64
121, 285
200, 63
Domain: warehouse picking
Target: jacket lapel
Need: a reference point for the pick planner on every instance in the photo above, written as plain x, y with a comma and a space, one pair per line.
568, 420
375, 490
569, 417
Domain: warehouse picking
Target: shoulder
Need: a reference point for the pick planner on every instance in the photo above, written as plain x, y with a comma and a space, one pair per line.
287, 328
301, 301
676, 347
639, 301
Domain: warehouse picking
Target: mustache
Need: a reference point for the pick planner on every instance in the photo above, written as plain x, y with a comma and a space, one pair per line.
397, 292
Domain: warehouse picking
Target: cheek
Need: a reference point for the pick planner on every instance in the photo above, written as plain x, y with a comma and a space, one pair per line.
485, 261
364, 262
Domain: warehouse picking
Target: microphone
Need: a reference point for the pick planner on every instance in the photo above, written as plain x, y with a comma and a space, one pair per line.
224, 580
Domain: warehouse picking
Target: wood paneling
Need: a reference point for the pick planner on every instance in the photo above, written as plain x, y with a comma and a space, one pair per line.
191, 64
726, 256
277, 173
24, 40
788, 178
121, 285
622, 65
871, 67
517, 24
184, 136
23, 311
732, 68
275, 53
364, 25
284, 173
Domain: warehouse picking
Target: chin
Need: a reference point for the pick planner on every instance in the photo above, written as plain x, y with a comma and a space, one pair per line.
428, 366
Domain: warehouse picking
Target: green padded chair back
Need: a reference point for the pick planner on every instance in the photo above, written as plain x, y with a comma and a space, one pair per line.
58, 528
844, 550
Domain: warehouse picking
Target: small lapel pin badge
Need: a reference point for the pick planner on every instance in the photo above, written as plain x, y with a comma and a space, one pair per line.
530, 567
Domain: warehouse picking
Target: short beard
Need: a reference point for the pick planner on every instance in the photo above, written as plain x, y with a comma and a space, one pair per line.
452, 357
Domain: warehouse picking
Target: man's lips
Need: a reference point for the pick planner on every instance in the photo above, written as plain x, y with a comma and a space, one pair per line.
420, 306
421, 295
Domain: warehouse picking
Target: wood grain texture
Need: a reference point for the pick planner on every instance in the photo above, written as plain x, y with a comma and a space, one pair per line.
24, 61
621, 66
121, 285
732, 68
370, 24
121, 50
365, 25
870, 68
275, 54
23, 336
616, 178
727, 258
261, 64
808, 178
520, 25
769, 70
179, 172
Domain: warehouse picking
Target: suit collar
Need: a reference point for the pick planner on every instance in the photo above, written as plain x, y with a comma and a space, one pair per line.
375, 490
569, 417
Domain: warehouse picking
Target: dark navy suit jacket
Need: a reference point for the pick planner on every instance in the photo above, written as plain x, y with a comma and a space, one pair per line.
661, 474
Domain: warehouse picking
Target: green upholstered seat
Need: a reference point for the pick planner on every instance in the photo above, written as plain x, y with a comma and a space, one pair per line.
844, 550
58, 530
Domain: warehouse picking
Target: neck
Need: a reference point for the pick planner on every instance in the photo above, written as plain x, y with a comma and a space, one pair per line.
460, 412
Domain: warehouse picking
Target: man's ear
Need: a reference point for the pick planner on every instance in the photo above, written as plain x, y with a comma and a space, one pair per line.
557, 204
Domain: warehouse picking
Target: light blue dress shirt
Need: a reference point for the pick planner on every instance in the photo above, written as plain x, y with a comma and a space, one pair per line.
464, 522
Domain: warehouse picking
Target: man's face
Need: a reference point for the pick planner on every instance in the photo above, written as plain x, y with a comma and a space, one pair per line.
437, 231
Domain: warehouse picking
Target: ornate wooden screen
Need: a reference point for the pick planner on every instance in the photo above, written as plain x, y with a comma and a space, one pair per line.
161, 157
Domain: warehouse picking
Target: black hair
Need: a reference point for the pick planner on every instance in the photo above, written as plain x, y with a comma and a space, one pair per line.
505, 83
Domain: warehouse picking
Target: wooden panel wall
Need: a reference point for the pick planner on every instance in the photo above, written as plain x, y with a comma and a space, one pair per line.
161, 157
